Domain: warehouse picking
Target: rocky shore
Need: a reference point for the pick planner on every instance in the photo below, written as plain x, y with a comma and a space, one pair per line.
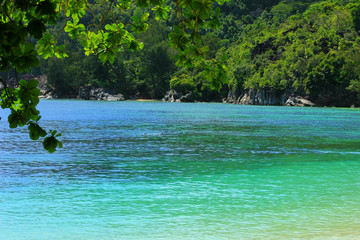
84, 93
91, 93
174, 96
263, 97
249, 97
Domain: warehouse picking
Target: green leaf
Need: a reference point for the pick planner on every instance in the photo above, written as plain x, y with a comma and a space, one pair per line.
161, 12
35, 131
107, 55
142, 3
214, 23
32, 84
135, 45
46, 46
217, 11
50, 144
202, 7
196, 37
135, 18
46, 7
145, 17
25, 57
111, 28
221, 2
68, 12
13, 120
36, 28
60, 51
75, 19
23, 83
223, 58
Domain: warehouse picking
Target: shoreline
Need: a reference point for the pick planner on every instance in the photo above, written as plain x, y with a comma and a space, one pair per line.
159, 100
144, 100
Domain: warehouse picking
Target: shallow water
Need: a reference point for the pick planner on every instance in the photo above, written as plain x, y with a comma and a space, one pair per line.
150, 170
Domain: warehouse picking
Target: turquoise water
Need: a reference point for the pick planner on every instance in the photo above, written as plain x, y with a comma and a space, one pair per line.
150, 170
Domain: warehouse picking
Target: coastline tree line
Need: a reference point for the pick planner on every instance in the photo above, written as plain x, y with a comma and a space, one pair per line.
309, 48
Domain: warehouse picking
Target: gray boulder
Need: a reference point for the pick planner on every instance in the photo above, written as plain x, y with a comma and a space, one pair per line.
91, 93
299, 101
174, 96
261, 97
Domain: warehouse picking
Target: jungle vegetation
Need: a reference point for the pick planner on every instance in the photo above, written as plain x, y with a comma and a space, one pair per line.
310, 48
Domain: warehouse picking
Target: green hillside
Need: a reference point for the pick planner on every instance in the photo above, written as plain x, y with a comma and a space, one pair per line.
277, 48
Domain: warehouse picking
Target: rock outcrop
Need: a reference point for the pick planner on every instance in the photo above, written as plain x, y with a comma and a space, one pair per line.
231, 98
262, 97
299, 101
174, 96
91, 93
46, 92
86, 93
268, 97
11, 83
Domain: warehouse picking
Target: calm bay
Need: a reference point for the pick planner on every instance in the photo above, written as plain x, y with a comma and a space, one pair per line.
152, 170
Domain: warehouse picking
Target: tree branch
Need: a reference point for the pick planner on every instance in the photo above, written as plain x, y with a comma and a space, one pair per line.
5, 88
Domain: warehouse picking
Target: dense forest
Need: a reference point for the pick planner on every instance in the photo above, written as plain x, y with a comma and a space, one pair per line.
274, 49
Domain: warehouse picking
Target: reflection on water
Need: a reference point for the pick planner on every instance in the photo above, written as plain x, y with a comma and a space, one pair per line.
132, 170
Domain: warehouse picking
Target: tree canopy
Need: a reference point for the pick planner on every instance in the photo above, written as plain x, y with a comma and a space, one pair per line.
287, 48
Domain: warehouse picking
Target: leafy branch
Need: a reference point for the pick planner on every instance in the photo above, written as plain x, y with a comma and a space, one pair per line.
22, 103
21, 19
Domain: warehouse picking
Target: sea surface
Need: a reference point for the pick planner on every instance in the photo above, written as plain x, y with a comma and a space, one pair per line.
152, 170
